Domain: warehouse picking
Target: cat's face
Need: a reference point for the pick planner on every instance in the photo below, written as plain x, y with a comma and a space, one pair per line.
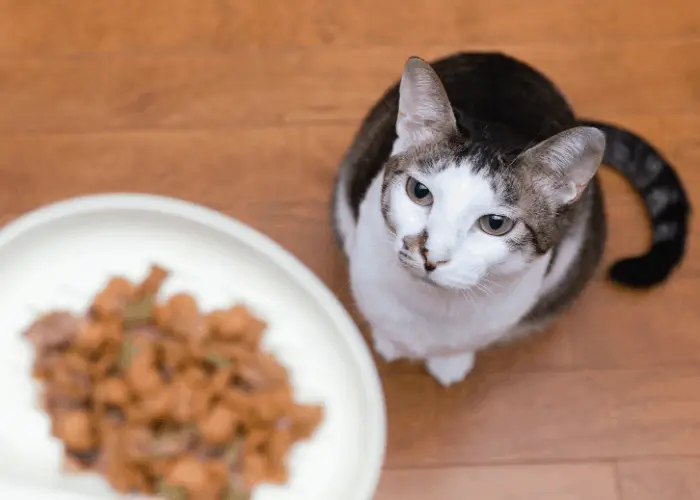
462, 214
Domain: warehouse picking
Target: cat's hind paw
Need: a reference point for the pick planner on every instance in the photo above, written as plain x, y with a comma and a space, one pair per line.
448, 370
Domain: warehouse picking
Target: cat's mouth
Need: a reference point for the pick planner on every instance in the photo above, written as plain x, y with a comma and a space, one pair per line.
415, 267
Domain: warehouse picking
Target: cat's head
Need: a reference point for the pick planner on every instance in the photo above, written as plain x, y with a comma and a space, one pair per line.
460, 212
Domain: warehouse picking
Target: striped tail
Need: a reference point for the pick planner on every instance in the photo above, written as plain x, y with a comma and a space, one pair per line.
665, 200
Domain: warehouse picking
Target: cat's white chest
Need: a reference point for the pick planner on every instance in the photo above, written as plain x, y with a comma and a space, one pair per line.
413, 319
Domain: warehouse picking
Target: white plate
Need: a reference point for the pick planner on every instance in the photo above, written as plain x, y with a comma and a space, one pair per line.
59, 257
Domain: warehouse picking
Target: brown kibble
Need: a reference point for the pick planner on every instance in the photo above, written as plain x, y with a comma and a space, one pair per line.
157, 405
189, 473
54, 330
92, 337
137, 443
105, 364
256, 440
195, 377
276, 473
144, 379
218, 470
172, 443
201, 403
305, 419
237, 323
219, 425
181, 401
76, 430
221, 380
243, 404
231, 351
153, 282
120, 476
71, 383
184, 319
112, 391
44, 365
112, 331
113, 299
161, 467
75, 362
175, 352
157, 397
255, 469
280, 442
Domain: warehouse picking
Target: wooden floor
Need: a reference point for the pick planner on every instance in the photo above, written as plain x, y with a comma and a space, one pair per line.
247, 106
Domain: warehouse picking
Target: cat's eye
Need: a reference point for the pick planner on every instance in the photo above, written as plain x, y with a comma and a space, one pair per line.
418, 192
496, 225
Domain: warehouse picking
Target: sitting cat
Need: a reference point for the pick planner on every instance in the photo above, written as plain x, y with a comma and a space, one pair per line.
470, 211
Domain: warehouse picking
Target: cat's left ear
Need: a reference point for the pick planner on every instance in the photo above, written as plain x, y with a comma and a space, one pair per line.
566, 163
425, 112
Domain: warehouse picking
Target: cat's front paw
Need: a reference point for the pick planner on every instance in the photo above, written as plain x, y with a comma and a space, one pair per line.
386, 348
449, 370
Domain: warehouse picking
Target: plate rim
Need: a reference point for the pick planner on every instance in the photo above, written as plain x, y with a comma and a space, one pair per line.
260, 242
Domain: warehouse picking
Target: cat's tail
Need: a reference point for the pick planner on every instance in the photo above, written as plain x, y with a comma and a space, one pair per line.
665, 200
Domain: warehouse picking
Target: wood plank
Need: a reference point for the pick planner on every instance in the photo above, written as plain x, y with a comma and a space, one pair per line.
252, 88
612, 328
672, 479
543, 417
527, 482
420, 22
53, 27
31, 27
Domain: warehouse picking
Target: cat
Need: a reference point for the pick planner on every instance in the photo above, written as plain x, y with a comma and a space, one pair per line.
470, 212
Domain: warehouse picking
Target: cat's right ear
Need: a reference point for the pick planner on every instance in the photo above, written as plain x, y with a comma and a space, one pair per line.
425, 113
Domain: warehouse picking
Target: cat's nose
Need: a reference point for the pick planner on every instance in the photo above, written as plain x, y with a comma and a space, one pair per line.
428, 264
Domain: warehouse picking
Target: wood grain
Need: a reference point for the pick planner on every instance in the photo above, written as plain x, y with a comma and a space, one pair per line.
31, 27
552, 416
324, 84
247, 107
522, 482
672, 479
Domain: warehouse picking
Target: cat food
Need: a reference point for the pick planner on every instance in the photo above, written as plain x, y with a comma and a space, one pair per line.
163, 399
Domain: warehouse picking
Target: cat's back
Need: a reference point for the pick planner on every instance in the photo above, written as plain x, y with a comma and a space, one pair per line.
495, 97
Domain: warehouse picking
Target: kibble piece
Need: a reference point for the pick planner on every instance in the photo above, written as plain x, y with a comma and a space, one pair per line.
137, 442
114, 298
112, 391
175, 353
238, 323
184, 319
71, 383
305, 419
219, 425
76, 430
279, 443
189, 473
161, 465
91, 337
153, 282
54, 330
255, 469
181, 401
